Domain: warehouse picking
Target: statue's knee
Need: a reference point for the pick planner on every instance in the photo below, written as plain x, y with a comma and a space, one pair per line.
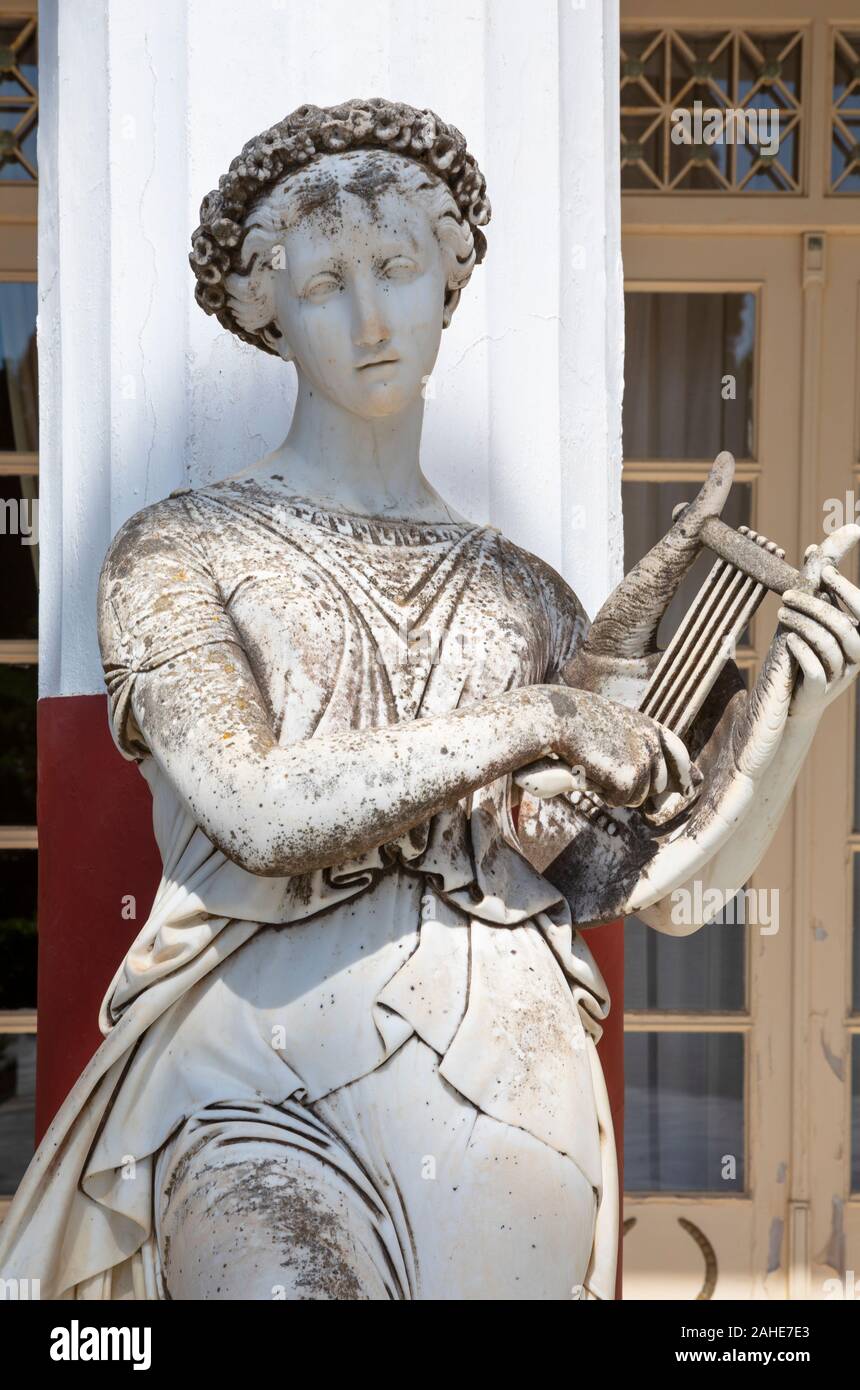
276, 1226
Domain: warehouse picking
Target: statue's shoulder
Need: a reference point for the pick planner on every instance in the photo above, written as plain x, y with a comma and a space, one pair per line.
157, 549
156, 529
562, 616
557, 593
157, 581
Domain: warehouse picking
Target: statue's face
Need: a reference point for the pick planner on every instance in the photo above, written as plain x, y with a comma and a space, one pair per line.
360, 299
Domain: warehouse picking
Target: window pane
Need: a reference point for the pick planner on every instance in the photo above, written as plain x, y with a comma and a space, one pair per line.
845, 130
684, 1112
701, 110
18, 385
18, 929
648, 516
18, 101
22, 52
704, 972
18, 434
689, 374
17, 1107
18, 692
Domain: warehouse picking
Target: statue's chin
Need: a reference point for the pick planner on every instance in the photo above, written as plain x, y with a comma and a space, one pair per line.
380, 400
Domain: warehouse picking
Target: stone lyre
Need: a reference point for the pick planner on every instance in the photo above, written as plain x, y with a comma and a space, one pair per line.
747, 566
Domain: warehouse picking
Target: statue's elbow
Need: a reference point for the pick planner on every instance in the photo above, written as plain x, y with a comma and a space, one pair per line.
256, 850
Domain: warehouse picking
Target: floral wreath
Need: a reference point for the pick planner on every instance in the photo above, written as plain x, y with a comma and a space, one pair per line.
314, 130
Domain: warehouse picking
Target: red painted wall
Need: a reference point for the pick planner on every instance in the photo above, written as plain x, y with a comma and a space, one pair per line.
95, 847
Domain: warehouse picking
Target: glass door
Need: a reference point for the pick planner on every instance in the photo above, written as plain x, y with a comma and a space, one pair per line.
713, 361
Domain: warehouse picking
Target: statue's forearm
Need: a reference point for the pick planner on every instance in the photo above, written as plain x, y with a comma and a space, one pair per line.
334, 797
286, 809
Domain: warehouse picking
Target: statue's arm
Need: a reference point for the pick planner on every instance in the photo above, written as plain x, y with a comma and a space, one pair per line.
745, 794
183, 690
280, 810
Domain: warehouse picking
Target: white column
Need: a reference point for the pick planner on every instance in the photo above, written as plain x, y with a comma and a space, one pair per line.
142, 393
591, 299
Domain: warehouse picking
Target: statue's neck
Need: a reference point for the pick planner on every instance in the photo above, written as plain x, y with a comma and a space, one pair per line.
351, 464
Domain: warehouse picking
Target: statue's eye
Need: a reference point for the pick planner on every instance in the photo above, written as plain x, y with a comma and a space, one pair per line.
322, 287
400, 268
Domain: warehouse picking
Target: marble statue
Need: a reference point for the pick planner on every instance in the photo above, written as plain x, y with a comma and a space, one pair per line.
352, 1053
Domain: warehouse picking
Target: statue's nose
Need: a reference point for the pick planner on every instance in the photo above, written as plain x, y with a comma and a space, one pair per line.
371, 325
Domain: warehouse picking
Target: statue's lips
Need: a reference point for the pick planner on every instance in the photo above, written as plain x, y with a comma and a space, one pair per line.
383, 362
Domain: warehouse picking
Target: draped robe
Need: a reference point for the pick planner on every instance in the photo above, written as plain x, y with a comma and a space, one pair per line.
278, 987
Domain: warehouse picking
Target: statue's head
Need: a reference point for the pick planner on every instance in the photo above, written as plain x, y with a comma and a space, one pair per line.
342, 239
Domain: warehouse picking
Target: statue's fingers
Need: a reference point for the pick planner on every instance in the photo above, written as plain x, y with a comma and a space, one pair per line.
813, 671
677, 760
843, 589
837, 545
822, 642
659, 772
639, 778
547, 778
831, 551
823, 612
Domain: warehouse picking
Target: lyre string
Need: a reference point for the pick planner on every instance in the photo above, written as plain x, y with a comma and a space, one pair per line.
720, 621
695, 621
684, 675
697, 682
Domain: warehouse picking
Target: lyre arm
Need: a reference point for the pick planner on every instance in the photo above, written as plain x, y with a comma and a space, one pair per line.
764, 564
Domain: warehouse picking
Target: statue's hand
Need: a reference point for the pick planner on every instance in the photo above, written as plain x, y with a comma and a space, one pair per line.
604, 747
823, 639
814, 655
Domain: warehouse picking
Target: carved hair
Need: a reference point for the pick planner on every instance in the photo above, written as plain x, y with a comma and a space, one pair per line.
254, 202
